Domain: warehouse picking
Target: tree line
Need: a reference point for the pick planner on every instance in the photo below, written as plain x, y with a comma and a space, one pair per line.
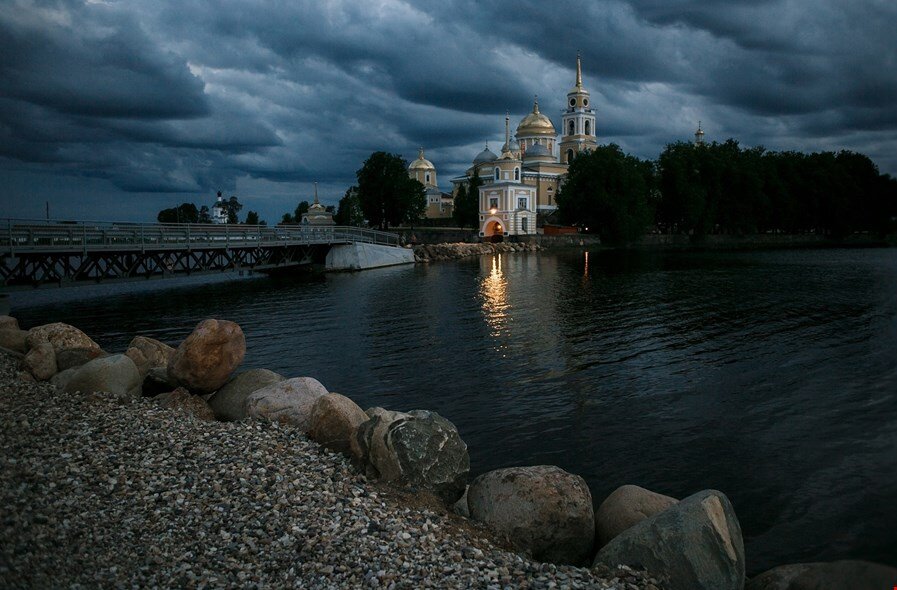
189, 213
724, 188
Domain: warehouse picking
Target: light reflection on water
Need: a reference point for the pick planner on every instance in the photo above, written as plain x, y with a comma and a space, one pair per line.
771, 376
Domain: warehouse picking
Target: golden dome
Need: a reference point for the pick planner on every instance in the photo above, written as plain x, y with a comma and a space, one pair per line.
421, 163
535, 123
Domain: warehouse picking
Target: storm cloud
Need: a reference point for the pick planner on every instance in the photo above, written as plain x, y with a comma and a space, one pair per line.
122, 108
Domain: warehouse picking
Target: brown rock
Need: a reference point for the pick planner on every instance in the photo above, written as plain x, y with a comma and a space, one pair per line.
14, 339
8, 323
626, 506
41, 361
183, 401
204, 361
542, 510
148, 353
334, 419
72, 358
61, 336
228, 402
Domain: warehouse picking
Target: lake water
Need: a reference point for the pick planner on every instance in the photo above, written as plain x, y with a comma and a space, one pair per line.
771, 376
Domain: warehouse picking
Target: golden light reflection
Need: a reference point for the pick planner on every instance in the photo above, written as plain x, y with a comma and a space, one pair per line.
494, 293
585, 272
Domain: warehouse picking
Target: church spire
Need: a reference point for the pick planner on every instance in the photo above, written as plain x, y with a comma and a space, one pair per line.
316, 193
578, 70
699, 135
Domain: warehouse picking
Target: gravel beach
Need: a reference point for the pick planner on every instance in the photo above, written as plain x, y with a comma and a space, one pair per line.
96, 493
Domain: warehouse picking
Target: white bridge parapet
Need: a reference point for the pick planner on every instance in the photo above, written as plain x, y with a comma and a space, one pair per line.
361, 256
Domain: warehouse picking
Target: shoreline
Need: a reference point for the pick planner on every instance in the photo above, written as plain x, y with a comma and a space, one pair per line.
109, 494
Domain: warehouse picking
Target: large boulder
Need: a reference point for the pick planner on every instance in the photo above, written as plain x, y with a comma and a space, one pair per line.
288, 401
418, 448
8, 323
71, 358
182, 400
61, 336
542, 510
836, 575
115, 374
695, 544
334, 420
41, 361
626, 506
205, 360
229, 401
60, 379
14, 339
148, 353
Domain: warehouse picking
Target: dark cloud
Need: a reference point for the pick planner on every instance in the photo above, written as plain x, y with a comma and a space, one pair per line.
131, 100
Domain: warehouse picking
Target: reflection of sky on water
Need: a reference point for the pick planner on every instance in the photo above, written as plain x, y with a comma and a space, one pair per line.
494, 296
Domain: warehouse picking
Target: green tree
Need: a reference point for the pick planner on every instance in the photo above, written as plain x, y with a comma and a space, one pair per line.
286, 219
388, 196
204, 215
349, 209
467, 202
608, 192
252, 218
183, 213
233, 207
301, 208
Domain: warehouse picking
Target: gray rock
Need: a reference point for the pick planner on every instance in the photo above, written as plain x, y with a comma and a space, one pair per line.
183, 401
115, 374
61, 336
334, 420
40, 361
14, 339
206, 358
625, 507
460, 507
288, 401
542, 510
8, 323
228, 402
695, 544
61, 378
418, 448
70, 358
148, 353
836, 575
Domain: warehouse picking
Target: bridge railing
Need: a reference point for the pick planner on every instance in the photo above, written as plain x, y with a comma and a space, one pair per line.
23, 235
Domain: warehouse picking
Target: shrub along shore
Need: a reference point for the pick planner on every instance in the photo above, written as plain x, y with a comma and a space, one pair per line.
206, 476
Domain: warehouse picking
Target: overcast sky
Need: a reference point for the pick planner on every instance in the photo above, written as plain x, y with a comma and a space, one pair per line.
114, 109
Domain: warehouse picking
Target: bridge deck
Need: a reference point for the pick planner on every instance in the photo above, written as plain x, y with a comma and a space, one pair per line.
55, 252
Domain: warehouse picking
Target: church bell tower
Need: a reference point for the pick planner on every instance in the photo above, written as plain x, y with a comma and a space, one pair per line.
579, 120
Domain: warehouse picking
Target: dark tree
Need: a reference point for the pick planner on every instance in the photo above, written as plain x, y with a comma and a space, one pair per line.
252, 218
349, 210
183, 213
301, 208
204, 215
233, 207
607, 191
388, 196
467, 202
287, 219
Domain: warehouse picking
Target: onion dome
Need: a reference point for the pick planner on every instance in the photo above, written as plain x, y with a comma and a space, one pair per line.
535, 123
485, 156
512, 147
421, 163
538, 152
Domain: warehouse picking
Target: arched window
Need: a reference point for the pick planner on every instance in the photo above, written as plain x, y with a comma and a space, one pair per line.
428, 178
497, 173
569, 156
572, 129
588, 128
516, 173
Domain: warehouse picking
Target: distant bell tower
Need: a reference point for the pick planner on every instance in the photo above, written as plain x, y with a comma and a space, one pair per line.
699, 135
578, 134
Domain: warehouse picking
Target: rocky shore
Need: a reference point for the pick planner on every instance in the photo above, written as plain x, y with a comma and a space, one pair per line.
456, 250
164, 467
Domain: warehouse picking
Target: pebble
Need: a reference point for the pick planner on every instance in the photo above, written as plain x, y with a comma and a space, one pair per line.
98, 494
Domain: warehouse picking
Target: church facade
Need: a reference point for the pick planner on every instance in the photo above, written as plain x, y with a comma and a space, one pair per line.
521, 183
